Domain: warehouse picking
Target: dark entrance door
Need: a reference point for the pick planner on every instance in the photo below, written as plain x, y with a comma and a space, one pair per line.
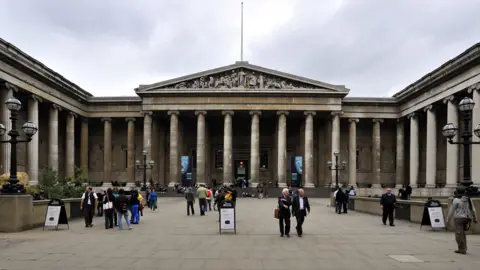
241, 171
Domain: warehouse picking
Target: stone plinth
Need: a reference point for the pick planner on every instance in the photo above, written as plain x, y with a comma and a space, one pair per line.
15, 213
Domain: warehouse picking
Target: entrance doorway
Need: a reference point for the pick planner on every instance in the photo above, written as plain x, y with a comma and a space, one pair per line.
241, 172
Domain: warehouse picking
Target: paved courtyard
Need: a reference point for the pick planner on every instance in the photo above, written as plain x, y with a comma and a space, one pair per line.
168, 239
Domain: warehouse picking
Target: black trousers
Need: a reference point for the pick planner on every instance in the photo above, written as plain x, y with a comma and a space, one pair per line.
109, 218
284, 229
203, 205
100, 209
115, 217
88, 214
388, 212
338, 207
209, 205
345, 207
190, 207
300, 219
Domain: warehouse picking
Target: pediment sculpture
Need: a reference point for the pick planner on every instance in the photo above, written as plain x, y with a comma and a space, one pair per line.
241, 78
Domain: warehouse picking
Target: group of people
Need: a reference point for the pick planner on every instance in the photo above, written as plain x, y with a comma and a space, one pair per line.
292, 204
116, 205
342, 197
206, 195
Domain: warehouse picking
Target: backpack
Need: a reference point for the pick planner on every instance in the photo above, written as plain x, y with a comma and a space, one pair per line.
209, 193
123, 207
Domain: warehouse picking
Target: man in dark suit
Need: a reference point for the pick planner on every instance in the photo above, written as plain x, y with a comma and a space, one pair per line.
387, 203
284, 203
300, 209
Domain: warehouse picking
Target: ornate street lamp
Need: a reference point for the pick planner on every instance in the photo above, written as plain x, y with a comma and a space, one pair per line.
145, 166
29, 128
336, 167
450, 130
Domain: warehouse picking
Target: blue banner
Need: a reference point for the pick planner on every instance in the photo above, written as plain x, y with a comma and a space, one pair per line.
185, 162
299, 164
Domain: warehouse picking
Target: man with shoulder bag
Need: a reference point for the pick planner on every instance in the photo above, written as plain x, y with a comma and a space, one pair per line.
463, 213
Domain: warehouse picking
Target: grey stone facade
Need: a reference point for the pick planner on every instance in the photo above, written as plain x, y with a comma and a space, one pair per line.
244, 93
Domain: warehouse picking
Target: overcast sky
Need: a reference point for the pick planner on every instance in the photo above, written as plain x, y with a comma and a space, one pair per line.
109, 47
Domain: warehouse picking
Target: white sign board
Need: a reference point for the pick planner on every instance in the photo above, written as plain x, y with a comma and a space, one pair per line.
436, 217
53, 214
227, 218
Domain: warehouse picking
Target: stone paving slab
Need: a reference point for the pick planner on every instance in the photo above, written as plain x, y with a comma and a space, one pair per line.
169, 239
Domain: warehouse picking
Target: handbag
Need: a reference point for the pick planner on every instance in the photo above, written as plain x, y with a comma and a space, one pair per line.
276, 213
108, 205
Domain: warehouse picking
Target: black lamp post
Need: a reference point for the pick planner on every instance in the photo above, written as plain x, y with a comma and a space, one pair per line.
145, 166
450, 130
336, 167
29, 128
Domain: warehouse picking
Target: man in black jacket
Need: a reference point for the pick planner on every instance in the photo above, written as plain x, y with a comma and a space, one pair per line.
88, 206
387, 203
284, 203
300, 209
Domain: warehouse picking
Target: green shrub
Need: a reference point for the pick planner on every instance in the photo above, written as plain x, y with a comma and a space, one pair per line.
55, 189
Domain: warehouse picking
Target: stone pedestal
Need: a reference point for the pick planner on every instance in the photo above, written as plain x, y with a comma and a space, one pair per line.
15, 213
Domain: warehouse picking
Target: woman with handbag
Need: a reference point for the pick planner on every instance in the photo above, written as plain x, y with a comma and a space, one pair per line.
108, 202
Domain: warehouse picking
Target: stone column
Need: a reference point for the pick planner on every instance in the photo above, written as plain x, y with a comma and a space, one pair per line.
376, 153
335, 139
32, 146
431, 170
453, 149
255, 149
309, 167
70, 146
84, 146
174, 169
282, 148
53, 137
107, 151
352, 152
414, 150
200, 173
6, 92
227, 148
475, 90
400, 168
147, 140
130, 151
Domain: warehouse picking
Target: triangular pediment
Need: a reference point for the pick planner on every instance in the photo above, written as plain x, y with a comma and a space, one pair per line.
241, 75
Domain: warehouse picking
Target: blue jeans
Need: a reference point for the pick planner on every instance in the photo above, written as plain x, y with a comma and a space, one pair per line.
135, 217
120, 215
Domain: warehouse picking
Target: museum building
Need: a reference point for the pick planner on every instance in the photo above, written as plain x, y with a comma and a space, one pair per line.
243, 121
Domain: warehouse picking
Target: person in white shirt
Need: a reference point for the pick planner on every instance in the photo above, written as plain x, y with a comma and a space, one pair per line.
300, 209
88, 206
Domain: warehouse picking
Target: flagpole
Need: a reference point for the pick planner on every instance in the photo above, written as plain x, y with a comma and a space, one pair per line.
241, 37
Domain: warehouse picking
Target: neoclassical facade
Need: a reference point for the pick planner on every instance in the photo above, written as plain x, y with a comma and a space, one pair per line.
243, 121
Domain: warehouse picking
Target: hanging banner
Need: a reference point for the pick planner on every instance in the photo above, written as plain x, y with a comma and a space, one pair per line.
185, 163
299, 164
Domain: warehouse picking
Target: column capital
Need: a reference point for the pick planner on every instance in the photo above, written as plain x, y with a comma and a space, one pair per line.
173, 112
56, 107
106, 119
428, 108
36, 98
146, 113
283, 112
200, 112
356, 120
449, 99
475, 87
255, 112
313, 113
412, 115
73, 114
10, 86
228, 112
339, 113
377, 120
130, 119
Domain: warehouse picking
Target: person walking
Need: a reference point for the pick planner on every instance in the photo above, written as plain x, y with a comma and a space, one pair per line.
284, 203
190, 197
100, 197
152, 199
463, 213
87, 205
209, 199
115, 194
108, 207
202, 199
300, 209
387, 203
122, 205
339, 199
